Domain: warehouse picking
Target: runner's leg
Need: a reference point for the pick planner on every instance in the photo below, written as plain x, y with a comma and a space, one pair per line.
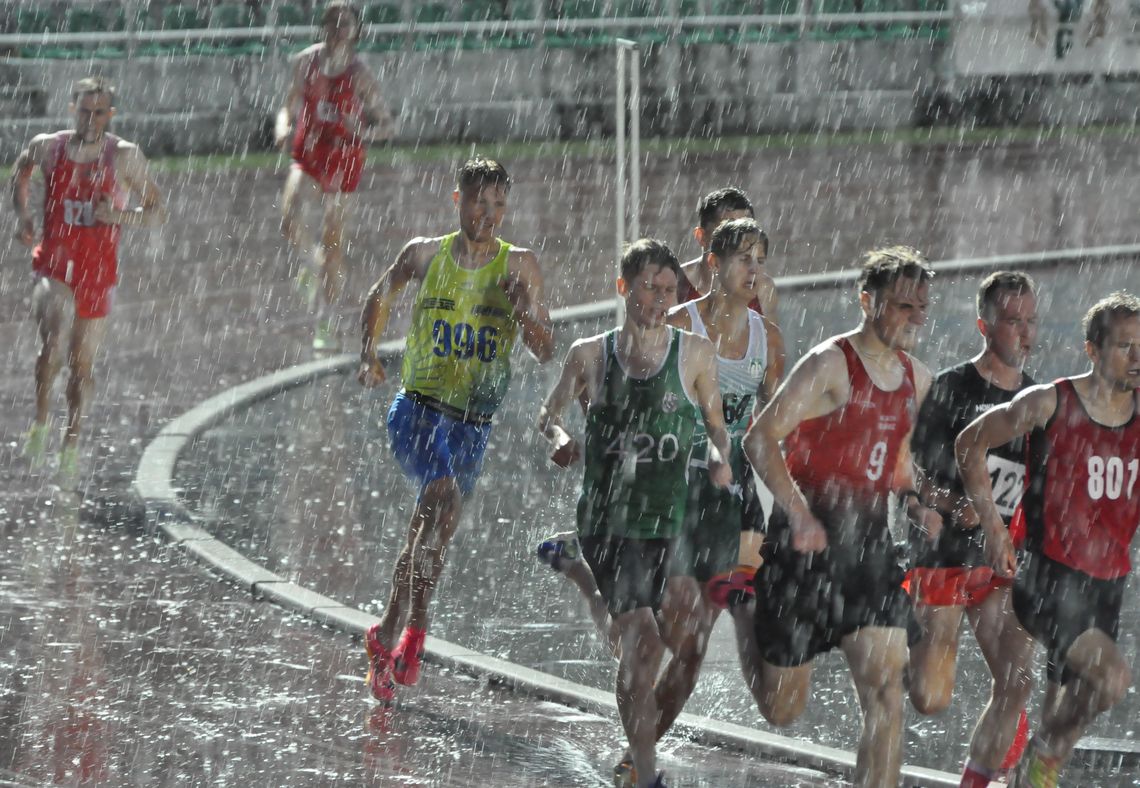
86, 337
50, 303
933, 660
877, 657
1008, 650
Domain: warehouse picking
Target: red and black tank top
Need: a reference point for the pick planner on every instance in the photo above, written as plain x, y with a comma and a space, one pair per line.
75, 247
847, 458
327, 103
1082, 498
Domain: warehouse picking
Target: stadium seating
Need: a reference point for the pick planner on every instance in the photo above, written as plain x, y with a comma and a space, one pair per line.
381, 14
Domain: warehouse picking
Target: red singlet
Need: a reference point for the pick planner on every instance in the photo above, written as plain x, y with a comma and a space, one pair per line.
77, 250
323, 145
1082, 500
849, 456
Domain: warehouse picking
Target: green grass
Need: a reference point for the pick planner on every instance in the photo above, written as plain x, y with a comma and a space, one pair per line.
517, 151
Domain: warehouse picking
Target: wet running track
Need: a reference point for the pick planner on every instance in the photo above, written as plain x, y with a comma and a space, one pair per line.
122, 664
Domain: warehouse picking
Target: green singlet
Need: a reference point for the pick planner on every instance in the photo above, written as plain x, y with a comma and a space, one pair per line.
639, 433
463, 328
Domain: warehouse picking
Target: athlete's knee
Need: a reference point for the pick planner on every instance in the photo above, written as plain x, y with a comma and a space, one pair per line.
931, 697
1112, 682
782, 708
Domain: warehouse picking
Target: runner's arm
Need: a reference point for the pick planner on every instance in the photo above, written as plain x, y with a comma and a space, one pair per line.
133, 168
816, 386
707, 389
572, 385
904, 482
774, 370
524, 289
1029, 410
378, 122
22, 171
382, 296
283, 125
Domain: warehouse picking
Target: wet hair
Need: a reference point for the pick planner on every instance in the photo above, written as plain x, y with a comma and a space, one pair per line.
93, 84
1098, 322
881, 268
644, 252
336, 6
1000, 283
716, 203
728, 236
480, 172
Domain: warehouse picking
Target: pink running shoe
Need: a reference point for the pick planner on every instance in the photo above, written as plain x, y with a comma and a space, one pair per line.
379, 667
407, 655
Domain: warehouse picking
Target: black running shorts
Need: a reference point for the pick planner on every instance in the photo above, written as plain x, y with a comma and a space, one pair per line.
630, 573
1056, 604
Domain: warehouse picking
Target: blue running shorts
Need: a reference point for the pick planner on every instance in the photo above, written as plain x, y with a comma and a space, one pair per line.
430, 444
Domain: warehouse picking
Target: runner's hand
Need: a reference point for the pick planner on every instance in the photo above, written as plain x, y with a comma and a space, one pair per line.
808, 535
282, 136
567, 454
371, 373
999, 551
516, 293
105, 211
26, 231
926, 520
720, 474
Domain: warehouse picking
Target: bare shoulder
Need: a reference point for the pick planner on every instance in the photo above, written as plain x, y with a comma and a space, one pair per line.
697, 349
922, 374
306, 55
419, 251
37, 149
1039, 400
521, 259
587, 351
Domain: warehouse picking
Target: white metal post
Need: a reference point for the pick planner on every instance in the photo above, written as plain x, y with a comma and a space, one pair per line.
628, 69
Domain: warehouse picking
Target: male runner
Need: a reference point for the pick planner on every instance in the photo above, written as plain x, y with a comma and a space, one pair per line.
332, 109
88, 176
713, 209
642, 386
831, 574
1081, 509
951, 575
476, 293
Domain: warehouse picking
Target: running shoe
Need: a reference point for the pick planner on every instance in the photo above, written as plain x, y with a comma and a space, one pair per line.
68, 474
379, 666
36, 443
407, 656
558, 547
732, 588
625, 776
1036, 771
325, 337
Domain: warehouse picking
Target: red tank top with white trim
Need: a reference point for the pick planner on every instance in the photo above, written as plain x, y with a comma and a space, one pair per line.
1082, 498
327, 105
847, 458
75, 247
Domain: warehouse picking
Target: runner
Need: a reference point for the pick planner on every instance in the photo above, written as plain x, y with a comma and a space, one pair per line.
1081, 508
831, 574
713, 209
332, 110
951, 575
475, 294
89, 175
642, 387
